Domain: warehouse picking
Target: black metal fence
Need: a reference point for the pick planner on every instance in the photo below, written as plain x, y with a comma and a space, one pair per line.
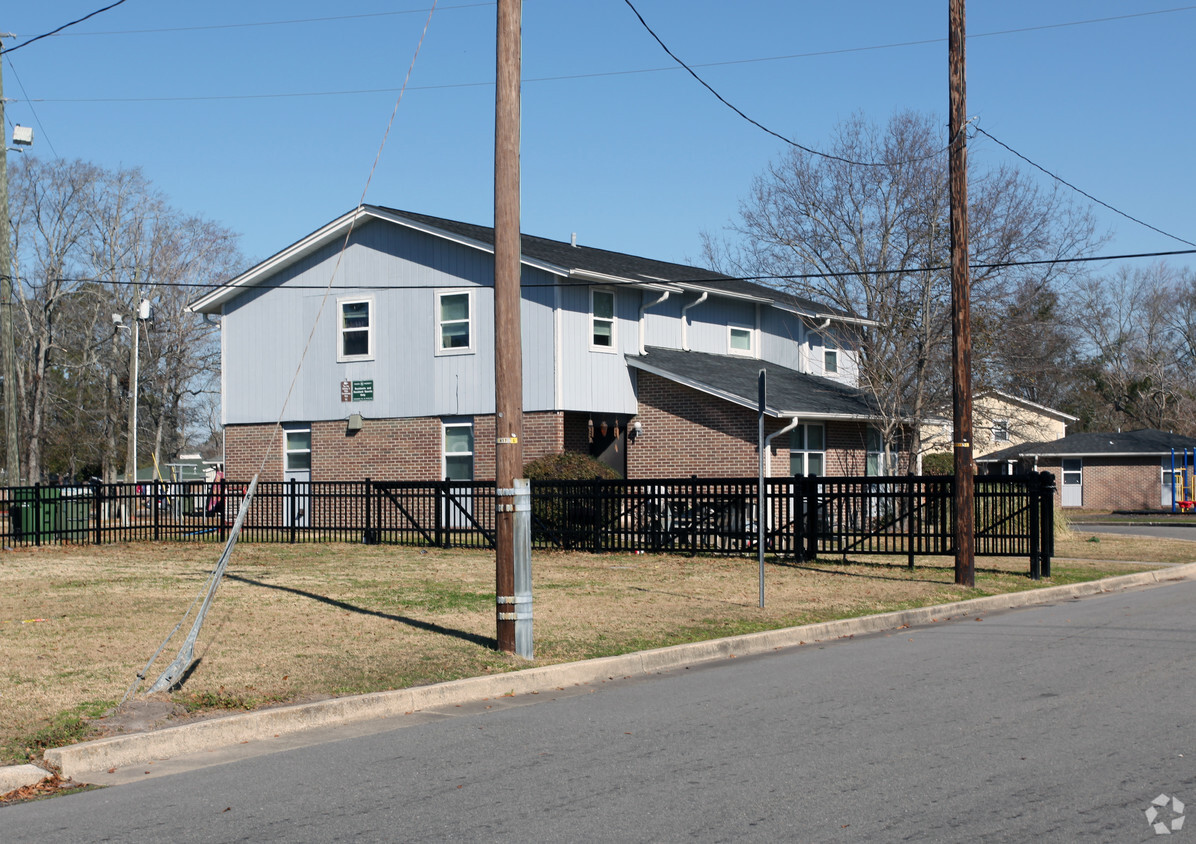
803, 517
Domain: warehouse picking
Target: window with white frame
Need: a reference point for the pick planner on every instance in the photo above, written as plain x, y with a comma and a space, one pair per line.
356, 328
458, 451
739, 340
297, 449
875, 461
830, 357
602, 319
807, 450
454, 323
1000, 430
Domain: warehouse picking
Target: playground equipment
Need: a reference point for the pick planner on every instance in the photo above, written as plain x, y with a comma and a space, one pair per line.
1183, 481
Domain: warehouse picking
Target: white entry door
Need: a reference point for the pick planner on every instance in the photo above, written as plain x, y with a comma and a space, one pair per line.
1073, 482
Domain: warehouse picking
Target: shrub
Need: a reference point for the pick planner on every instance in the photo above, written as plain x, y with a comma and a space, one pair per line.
938, 464
568, 516
567, 466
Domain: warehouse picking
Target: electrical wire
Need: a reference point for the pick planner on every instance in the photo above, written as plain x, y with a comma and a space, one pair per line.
708, 282
40, 128
760, 125
327, 19
61, 28
1063, 181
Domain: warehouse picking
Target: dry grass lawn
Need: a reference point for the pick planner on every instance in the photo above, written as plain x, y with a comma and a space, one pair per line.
307, 621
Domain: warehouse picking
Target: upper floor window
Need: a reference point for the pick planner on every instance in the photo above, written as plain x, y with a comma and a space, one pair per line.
830, 358
807, 450
1000, 430
602, 319
454, 327
739, 341
356, 329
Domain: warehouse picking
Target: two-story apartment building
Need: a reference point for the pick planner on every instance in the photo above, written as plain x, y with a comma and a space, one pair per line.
371, 341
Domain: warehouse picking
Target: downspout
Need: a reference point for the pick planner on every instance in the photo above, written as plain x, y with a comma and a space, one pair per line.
643, 332
761, 514
685, 319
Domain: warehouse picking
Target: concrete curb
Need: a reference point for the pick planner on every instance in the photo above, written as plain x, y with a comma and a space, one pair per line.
13, 777
118, 751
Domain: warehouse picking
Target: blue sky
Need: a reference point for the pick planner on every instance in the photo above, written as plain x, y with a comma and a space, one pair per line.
619, 146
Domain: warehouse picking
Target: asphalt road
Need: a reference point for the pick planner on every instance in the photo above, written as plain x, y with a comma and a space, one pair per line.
1059, 723
1187, 532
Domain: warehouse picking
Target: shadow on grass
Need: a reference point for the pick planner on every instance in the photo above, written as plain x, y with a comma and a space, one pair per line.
884, 567
473, 638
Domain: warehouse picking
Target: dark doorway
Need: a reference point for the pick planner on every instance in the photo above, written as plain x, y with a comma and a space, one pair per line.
609, 445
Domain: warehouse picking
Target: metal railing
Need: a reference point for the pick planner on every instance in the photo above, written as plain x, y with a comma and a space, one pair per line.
803, 517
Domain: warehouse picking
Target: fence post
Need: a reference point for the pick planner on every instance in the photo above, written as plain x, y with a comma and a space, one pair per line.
156, 496
37, 513
596, 509
810, 496
1047, 521
98, 506
693, 518
223, 509
291, 499
441, 501
367, 535
911, 528
1033, 495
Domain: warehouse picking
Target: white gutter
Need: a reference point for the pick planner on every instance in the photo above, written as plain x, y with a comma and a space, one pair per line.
685, 320
643, 332
619, 281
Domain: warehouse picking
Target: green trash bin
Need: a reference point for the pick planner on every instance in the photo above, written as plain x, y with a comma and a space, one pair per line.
74, 513
35, 514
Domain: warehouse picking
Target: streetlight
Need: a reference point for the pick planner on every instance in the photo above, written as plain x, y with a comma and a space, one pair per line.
145, 310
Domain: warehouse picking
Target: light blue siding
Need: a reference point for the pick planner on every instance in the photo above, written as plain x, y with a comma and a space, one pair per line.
265, 332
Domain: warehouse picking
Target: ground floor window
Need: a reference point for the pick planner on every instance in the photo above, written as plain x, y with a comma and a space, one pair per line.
297, 448
807, 450
458, 451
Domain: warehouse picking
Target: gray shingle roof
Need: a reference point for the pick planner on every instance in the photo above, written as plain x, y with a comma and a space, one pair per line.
1146, 442
789, 392
619, 264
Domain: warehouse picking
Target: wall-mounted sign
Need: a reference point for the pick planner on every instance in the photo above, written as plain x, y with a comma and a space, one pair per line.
363, 390
346, 390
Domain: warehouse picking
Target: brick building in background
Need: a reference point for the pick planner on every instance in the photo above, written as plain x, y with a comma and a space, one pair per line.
1107, 471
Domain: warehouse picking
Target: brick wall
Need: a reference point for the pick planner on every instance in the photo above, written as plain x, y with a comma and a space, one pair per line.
1115, 483
686, 432
384, 449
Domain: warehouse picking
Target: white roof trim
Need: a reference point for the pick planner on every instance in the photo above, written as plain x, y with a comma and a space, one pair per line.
212, 301
1041, 408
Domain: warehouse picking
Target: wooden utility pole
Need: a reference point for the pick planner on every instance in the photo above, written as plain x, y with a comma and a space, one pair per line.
961, 307
508, 355
8, 359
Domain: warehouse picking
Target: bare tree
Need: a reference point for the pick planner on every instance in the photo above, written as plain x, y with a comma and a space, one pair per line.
1137, 328
874, 240
92, 243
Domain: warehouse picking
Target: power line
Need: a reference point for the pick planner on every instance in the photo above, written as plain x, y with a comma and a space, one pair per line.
251, 24
709, 282
61, 28
42, 129
526, 80
756, 123
1063, 181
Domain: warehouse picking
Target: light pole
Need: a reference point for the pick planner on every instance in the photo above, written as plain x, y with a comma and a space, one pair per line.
144, 313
